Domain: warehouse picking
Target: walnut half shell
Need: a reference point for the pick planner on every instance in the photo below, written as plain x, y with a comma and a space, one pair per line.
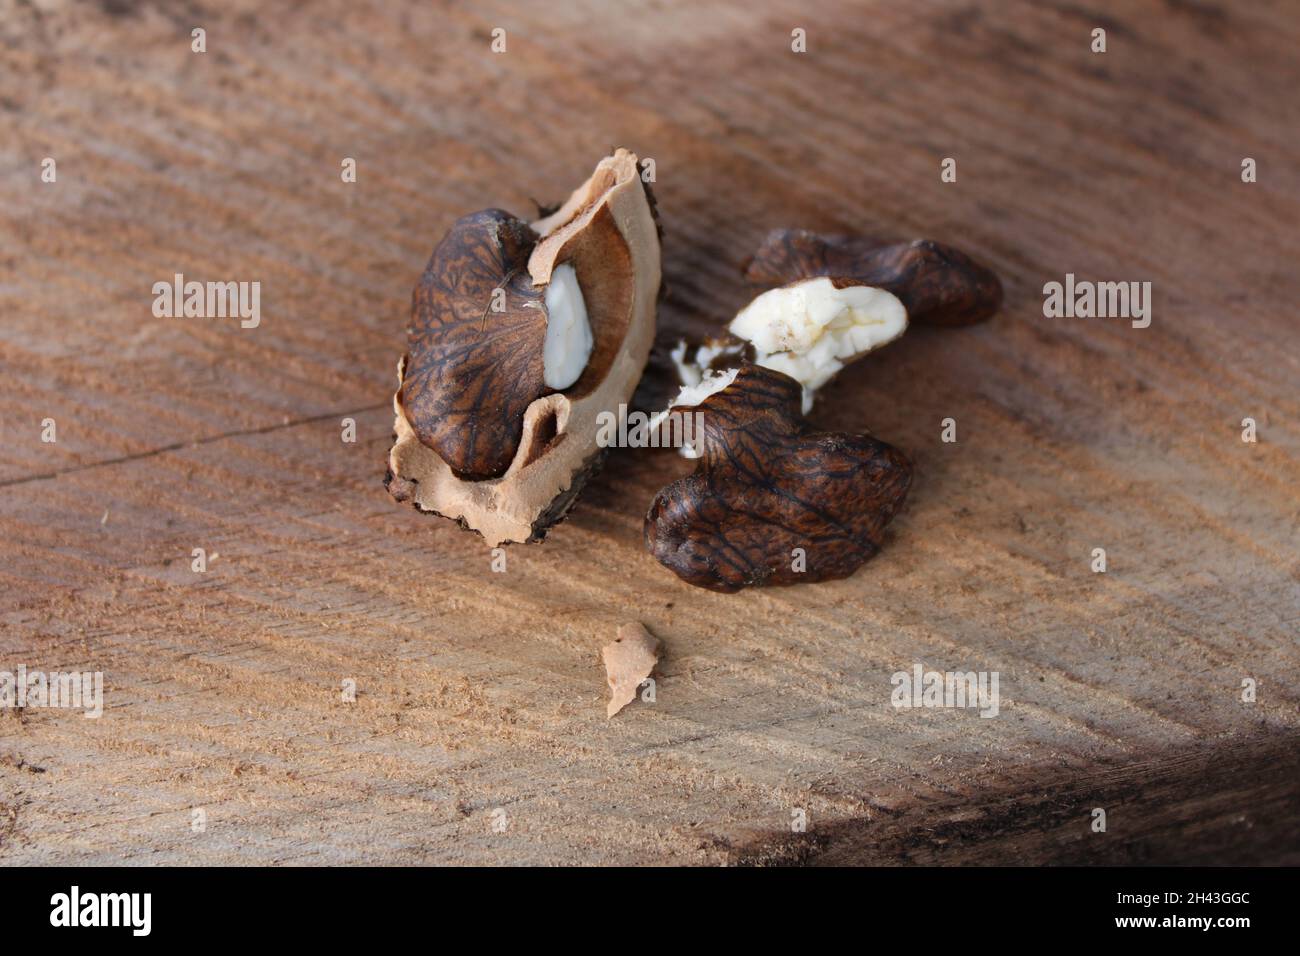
480, 438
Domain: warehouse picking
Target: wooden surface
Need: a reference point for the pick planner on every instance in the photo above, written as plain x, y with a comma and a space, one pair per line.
480, 691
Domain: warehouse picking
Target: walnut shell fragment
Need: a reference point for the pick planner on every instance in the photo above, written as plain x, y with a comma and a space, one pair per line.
481, 438
628, 659
767, 484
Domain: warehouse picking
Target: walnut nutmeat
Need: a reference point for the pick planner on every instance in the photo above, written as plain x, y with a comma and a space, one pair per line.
768, 483
472, 370
937, 284
837, 299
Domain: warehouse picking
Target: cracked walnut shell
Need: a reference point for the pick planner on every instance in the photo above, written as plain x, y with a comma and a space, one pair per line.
482, 435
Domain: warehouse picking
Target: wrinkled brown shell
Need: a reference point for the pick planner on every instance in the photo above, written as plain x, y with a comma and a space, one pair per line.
472, 372
937, 284
768, 483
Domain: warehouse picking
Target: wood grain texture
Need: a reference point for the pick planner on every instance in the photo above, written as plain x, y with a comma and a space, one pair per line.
480, 691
